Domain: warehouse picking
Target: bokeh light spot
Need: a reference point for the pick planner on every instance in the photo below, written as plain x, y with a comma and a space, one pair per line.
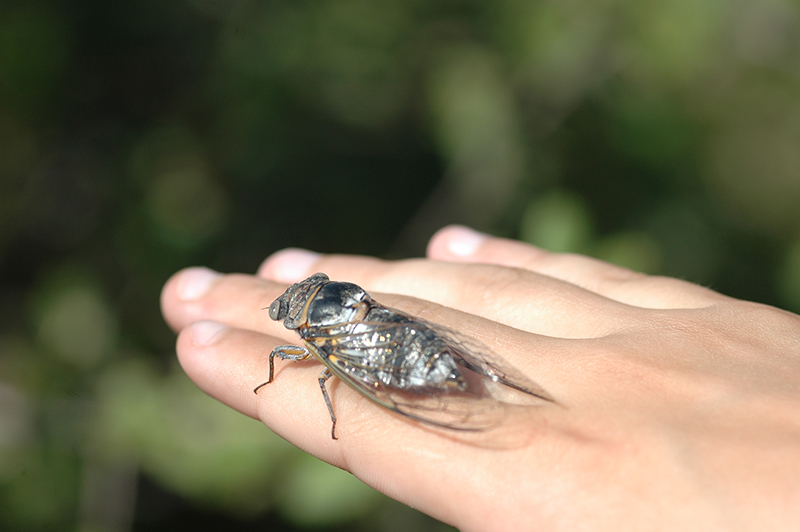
557, 221
318, 493
78, 326
635, 250
187, 206
789, 278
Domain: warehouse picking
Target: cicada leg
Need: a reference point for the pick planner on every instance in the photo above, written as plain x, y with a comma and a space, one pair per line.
286, 352
323, 377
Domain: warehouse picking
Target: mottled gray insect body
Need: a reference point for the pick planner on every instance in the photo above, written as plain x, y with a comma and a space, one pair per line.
417, 369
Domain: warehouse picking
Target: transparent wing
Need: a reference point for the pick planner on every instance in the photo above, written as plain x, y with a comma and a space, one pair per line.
369, 356
481, 360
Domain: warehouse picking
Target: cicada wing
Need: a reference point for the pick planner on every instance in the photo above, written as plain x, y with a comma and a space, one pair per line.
456, 410
478, 358
362, 352
467, 352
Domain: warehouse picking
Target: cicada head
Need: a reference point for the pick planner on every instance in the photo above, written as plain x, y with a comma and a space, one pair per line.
292, 306
320, 302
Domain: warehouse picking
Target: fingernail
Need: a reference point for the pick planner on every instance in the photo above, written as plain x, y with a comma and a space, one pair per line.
463, 241
205, 332
292, 264
195, 282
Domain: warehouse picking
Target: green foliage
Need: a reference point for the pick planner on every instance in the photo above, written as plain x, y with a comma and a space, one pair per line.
140, 137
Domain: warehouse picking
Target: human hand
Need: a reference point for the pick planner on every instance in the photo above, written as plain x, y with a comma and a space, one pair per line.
676, 407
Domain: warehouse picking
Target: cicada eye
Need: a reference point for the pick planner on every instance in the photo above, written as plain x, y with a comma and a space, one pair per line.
275, 310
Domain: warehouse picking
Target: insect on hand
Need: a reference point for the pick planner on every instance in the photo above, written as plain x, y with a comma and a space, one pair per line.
423, 371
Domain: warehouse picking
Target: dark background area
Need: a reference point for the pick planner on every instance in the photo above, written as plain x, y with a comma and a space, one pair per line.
137, 138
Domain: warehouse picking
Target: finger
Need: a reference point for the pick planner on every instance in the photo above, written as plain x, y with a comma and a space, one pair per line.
461, 244
389, 452
224, 362
229, 364
236, 300
239, 301
518, 298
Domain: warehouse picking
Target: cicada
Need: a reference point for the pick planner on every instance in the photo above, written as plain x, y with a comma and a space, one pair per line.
420, 370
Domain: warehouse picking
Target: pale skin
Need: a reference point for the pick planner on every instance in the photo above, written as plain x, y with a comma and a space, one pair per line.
677, 408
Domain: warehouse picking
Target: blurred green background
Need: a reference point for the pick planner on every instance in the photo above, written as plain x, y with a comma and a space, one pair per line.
140, 137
